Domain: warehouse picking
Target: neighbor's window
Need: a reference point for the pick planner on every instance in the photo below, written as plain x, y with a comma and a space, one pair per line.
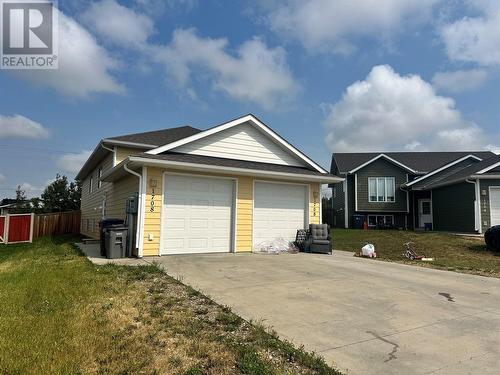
99, 175
91, 183
380, 220
381, 189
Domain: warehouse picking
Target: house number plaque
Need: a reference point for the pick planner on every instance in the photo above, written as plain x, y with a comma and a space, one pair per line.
152, 203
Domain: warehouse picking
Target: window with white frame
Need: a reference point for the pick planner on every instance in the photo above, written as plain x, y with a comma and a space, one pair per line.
381, 189
99, 175
380, 220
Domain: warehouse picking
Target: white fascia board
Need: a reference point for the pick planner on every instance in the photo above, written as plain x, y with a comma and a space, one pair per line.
385, 157
443, 168
233, 170
231, 124
493, 166
486, 177
130, 144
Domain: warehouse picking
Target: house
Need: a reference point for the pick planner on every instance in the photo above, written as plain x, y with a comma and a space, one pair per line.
224, 189
446, 191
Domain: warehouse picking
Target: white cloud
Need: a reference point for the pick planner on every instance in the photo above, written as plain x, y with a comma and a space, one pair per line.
118, 24
72, 163
460, 80
18, 126
328, 24
256, 73
475, 39
84, 66
387, 111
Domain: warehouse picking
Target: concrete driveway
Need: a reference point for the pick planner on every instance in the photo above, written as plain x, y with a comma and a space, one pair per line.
367, 317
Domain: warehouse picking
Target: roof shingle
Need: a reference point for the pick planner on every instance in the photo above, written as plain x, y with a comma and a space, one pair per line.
158, 137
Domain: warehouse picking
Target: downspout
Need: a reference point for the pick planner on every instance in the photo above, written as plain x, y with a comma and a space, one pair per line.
477, 211
140, 215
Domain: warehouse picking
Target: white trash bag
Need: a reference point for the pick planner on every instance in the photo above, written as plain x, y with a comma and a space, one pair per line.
275, 246
368, 251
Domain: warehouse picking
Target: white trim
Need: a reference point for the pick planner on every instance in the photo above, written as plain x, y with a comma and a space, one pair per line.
307, 208
385, 189
320, 204
6, 229
239, 171
382, 156
486, 177
356, 191
489, 199
227, 125
443, 168
478, 206
418, 210
140, 252
378, 214
346, 207
32, 224
115, 150
493, 166
407, 199
233, 211
125, 143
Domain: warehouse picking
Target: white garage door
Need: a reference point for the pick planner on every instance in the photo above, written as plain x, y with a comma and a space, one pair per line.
495, 205
197, 215
279, 210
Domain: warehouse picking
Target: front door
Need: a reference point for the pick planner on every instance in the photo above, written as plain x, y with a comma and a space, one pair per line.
424, 212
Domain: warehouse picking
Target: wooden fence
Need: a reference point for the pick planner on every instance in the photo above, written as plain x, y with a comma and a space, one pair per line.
57, 223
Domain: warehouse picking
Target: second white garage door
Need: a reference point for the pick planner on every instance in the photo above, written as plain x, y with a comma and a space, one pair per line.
495, 205
279, 210
197, 215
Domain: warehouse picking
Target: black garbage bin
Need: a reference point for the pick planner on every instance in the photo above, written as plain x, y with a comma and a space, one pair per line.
103, 224
492, 238
358, 221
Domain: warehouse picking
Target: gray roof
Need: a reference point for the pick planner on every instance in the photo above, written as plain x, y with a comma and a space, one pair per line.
223, 162
158, 137
423, 162
465, 173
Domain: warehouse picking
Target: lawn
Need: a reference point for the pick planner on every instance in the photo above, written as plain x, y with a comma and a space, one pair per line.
450, 252
60, 314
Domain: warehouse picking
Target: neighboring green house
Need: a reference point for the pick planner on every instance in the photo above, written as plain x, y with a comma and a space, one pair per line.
446, 191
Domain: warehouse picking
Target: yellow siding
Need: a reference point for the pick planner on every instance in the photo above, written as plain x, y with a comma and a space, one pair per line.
244, 214
244, 207
123, 152
152, 218
114, 194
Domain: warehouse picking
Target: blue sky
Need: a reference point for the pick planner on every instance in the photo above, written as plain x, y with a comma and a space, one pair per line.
328, 75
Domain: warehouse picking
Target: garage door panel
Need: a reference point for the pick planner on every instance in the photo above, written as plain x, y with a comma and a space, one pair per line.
198, 209
279, 210
495, 206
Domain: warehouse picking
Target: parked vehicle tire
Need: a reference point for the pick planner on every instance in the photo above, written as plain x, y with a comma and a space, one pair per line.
492, 238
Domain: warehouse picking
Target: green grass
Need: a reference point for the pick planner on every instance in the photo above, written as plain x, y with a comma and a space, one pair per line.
450, 252
60, 314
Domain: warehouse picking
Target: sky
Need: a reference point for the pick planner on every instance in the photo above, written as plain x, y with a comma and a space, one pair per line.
327, 75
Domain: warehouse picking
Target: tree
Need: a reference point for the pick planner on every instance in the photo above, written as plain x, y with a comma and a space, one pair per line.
61, 195
21, 204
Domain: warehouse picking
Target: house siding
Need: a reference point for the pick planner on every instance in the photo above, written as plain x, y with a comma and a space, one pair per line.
338, 197
381, 168
453, 208
242, 142
113, 195
123, 152
484, 193
244, 209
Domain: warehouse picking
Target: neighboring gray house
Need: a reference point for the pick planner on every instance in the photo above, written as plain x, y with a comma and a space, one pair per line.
448, 191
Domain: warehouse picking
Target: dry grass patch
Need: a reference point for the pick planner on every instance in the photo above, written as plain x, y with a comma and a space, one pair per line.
68, 316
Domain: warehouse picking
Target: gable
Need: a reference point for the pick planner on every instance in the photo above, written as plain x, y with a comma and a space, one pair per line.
241, 142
